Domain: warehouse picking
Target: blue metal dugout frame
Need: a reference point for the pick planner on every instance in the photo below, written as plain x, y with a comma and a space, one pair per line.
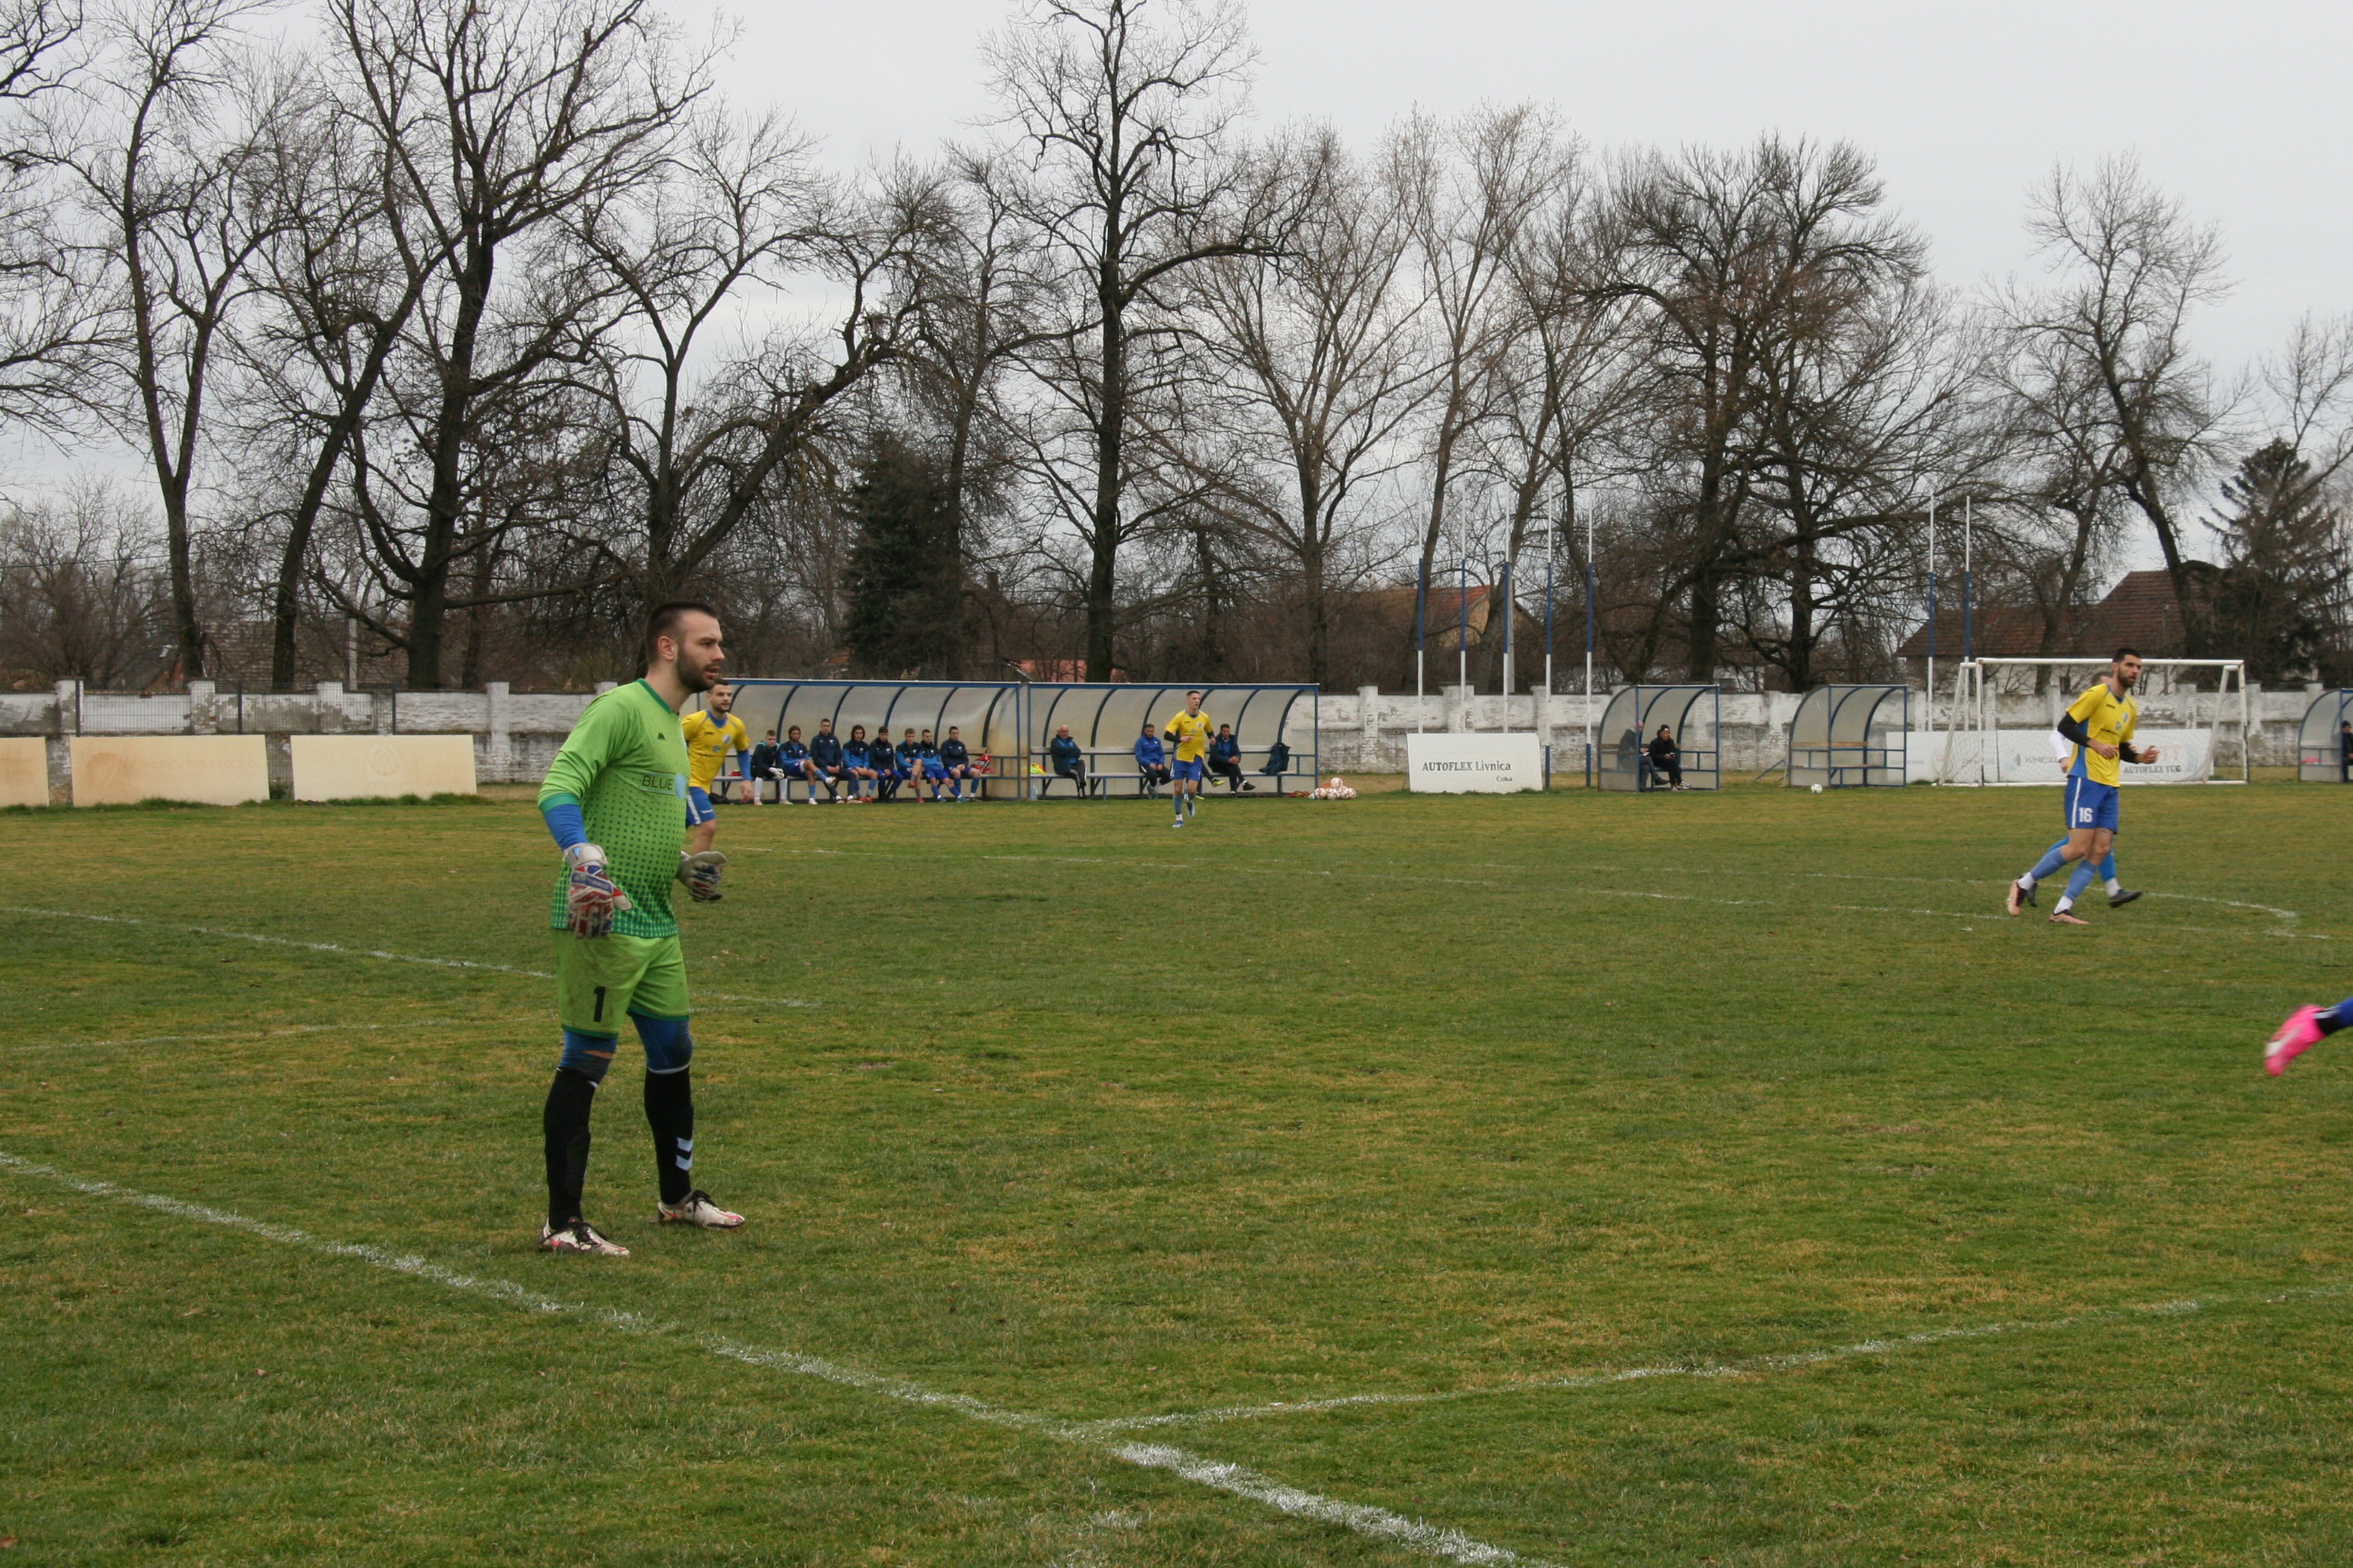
2322, 754
1831, 737
1634, 715
1011, 721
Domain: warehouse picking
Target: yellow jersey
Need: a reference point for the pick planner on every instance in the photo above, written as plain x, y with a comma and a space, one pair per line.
2108, 719
1193, 735
708, 745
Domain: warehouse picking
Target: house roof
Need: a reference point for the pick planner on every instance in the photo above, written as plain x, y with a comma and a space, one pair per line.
2139, 611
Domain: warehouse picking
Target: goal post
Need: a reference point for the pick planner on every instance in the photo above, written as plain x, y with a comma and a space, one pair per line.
2000, 726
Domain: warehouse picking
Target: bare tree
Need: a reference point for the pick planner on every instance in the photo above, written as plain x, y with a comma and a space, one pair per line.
1472, 190
173, 158
81, 595
701, 437
2130, 269
1323, 367
500, 121
1123, 122
1729, 256
52, 318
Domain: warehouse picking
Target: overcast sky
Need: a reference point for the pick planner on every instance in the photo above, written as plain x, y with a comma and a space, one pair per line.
2242, 110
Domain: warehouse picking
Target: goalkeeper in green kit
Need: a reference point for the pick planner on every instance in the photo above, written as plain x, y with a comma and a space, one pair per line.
615, 801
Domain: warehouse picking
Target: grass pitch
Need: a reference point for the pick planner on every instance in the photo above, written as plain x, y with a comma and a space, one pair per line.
1572, 1179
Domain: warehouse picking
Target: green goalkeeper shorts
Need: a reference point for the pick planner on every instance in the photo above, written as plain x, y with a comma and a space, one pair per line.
600, 979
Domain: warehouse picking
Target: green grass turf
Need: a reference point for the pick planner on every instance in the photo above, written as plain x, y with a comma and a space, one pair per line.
1098, 1120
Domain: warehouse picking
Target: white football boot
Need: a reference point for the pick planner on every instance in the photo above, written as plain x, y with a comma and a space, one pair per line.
696, 1210
579, 1235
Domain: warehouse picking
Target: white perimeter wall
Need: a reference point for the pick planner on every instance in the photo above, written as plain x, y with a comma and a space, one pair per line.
515, 734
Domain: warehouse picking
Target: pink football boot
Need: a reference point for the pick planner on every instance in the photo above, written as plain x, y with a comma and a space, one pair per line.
2300, 1034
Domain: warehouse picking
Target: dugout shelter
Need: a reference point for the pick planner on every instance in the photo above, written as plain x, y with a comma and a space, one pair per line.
1694, 715
1850, 737
1011, 721
2320, 747
1106, 717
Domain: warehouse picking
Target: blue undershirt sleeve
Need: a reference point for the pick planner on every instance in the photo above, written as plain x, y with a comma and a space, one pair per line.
565, 824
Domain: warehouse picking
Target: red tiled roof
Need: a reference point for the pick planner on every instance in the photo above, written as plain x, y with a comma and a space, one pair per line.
2139, 611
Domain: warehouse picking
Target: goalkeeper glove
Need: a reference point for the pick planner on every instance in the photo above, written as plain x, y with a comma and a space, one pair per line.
701, 872
590, 897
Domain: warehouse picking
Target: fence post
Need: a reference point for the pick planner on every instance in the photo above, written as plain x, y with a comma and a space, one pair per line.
203, 718
497, 751
69, 707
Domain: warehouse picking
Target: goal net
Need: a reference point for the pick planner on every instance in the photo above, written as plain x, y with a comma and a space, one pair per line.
1999, 726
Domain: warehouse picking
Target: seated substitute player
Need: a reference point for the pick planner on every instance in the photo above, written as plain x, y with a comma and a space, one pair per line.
2099, 725
611, 803
824, 759
910, 754
1225, 760
793, 758
857, 760
710, 736
1151, 760
955, 763
766, 767
1188, 729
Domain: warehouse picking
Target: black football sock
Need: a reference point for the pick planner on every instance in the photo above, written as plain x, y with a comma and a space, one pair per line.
569, 1098
670, 1111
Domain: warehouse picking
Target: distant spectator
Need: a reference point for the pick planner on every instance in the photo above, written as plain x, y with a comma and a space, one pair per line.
2345, 751
1665, 760
766, 765
793, 758
1151, 760
1226, 759
1069, 761
824, 757
955, 763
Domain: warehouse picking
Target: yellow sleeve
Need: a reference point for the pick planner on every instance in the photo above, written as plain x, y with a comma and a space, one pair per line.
693, 725
2084, 707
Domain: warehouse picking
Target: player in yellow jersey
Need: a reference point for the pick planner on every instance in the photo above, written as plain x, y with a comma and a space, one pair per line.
2099, 725
710, 734
1188, 731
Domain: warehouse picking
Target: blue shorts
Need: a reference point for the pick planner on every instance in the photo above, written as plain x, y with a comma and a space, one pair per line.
935, 771
2090, 803
1187, 770
698, 810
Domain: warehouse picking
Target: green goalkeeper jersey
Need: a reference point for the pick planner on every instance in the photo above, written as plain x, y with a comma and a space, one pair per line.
625, 763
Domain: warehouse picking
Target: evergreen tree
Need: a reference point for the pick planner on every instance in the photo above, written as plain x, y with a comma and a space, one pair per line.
906, 581
2280, 598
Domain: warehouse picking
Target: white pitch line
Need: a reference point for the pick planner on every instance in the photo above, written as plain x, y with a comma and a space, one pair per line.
1376, 1523
250, 1035
1751, 1367
349, 952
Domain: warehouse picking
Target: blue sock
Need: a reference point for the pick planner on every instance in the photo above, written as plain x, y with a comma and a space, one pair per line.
2050, 863
2078, 883
2108, 868
2333, 1018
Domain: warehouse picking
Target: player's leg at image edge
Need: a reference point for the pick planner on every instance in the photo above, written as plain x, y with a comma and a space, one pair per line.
2304, 1029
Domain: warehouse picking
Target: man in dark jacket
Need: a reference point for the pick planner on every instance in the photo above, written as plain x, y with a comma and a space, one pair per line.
1225, 759
1665, 760
1068, 761
766, 765
825, 756
955, 760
